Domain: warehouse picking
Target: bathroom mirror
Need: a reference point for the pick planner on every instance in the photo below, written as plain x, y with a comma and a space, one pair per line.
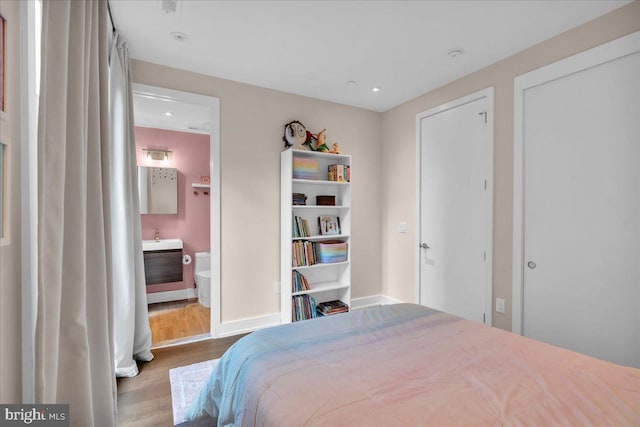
158, 189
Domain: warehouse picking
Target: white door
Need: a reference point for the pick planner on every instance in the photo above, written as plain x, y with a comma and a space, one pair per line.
456, 156
581, 247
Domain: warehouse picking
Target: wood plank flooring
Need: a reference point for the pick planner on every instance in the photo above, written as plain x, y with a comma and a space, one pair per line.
175, 320
145, 400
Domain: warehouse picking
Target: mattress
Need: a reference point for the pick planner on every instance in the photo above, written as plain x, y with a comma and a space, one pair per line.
409, 365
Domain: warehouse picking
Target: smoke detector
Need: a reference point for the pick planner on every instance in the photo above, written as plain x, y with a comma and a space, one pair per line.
169, 6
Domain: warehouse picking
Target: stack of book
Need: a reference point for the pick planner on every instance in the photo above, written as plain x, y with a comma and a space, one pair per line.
304, 253
300, 227
299, 282
332, 307
299, 199
340, 173
303, 307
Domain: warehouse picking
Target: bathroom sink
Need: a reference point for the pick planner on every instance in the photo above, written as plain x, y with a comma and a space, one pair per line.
161, 245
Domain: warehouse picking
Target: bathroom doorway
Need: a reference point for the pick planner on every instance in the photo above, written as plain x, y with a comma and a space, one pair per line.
177, 152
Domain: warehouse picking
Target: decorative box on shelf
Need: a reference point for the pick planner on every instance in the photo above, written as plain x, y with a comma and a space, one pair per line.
326, 200
305, 168
331, 251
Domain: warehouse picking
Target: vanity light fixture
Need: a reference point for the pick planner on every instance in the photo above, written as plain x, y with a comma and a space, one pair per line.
154, 154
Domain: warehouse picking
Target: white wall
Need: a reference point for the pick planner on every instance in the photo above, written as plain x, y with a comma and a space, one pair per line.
398, 152
252, 121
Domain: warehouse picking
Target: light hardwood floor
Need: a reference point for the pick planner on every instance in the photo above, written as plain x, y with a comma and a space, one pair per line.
145, 400
175, 320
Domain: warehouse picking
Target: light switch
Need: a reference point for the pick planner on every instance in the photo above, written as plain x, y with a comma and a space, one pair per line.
403, 227
500, 305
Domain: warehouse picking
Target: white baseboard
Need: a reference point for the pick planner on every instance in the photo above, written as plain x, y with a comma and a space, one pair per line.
176, 295
242, 326
372, 301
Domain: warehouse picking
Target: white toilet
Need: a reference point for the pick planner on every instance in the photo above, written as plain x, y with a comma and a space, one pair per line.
202, 275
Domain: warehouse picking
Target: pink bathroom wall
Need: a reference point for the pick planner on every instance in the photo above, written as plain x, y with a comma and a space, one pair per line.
192, 223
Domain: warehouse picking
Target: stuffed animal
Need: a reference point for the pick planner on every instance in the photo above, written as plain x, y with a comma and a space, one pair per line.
310, 141
321, 143
335, 149
295, 135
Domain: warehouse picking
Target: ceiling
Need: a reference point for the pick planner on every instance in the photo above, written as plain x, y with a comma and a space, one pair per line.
163, 113
314, 48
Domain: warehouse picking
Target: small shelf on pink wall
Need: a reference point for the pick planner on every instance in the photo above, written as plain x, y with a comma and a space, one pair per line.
197, 185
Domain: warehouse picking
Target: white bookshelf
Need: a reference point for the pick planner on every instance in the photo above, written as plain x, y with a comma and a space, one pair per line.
328, 281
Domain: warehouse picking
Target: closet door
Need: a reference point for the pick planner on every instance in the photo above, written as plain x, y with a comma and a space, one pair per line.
581, 211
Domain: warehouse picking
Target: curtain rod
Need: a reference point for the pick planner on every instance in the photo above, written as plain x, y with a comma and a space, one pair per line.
113, 25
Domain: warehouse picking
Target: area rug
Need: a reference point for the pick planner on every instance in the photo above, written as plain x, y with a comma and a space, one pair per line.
186, 382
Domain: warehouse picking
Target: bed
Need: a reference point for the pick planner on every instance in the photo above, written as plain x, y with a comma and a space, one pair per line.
408, 365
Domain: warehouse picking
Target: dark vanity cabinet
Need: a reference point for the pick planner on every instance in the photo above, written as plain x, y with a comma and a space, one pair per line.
163, 266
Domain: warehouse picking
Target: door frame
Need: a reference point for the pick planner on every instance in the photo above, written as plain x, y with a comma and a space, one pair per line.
487, 93
214, 172
610, 51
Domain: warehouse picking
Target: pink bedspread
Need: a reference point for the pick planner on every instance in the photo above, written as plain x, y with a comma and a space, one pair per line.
407, 365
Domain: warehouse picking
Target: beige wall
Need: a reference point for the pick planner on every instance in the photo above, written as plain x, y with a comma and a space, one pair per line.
399, 143
252, 121
10, 295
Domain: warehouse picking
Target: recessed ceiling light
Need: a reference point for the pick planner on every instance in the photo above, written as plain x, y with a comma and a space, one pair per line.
351, 82
455, 52
178, 36
168, 114
376, 89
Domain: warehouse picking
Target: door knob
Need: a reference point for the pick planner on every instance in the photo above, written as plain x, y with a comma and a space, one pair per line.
424, 246
531, 265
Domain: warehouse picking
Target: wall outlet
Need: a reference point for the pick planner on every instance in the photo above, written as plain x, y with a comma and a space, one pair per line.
500, 305
403, 227
276, 288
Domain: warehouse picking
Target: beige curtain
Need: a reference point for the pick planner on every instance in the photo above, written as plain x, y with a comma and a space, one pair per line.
74, 355
131, 332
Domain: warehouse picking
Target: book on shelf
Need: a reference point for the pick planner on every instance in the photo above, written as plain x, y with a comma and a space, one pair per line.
299, 199
303, 307
299, 283
332, 307
307, 253
329, 225
339, 173
300, 227
304, 253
